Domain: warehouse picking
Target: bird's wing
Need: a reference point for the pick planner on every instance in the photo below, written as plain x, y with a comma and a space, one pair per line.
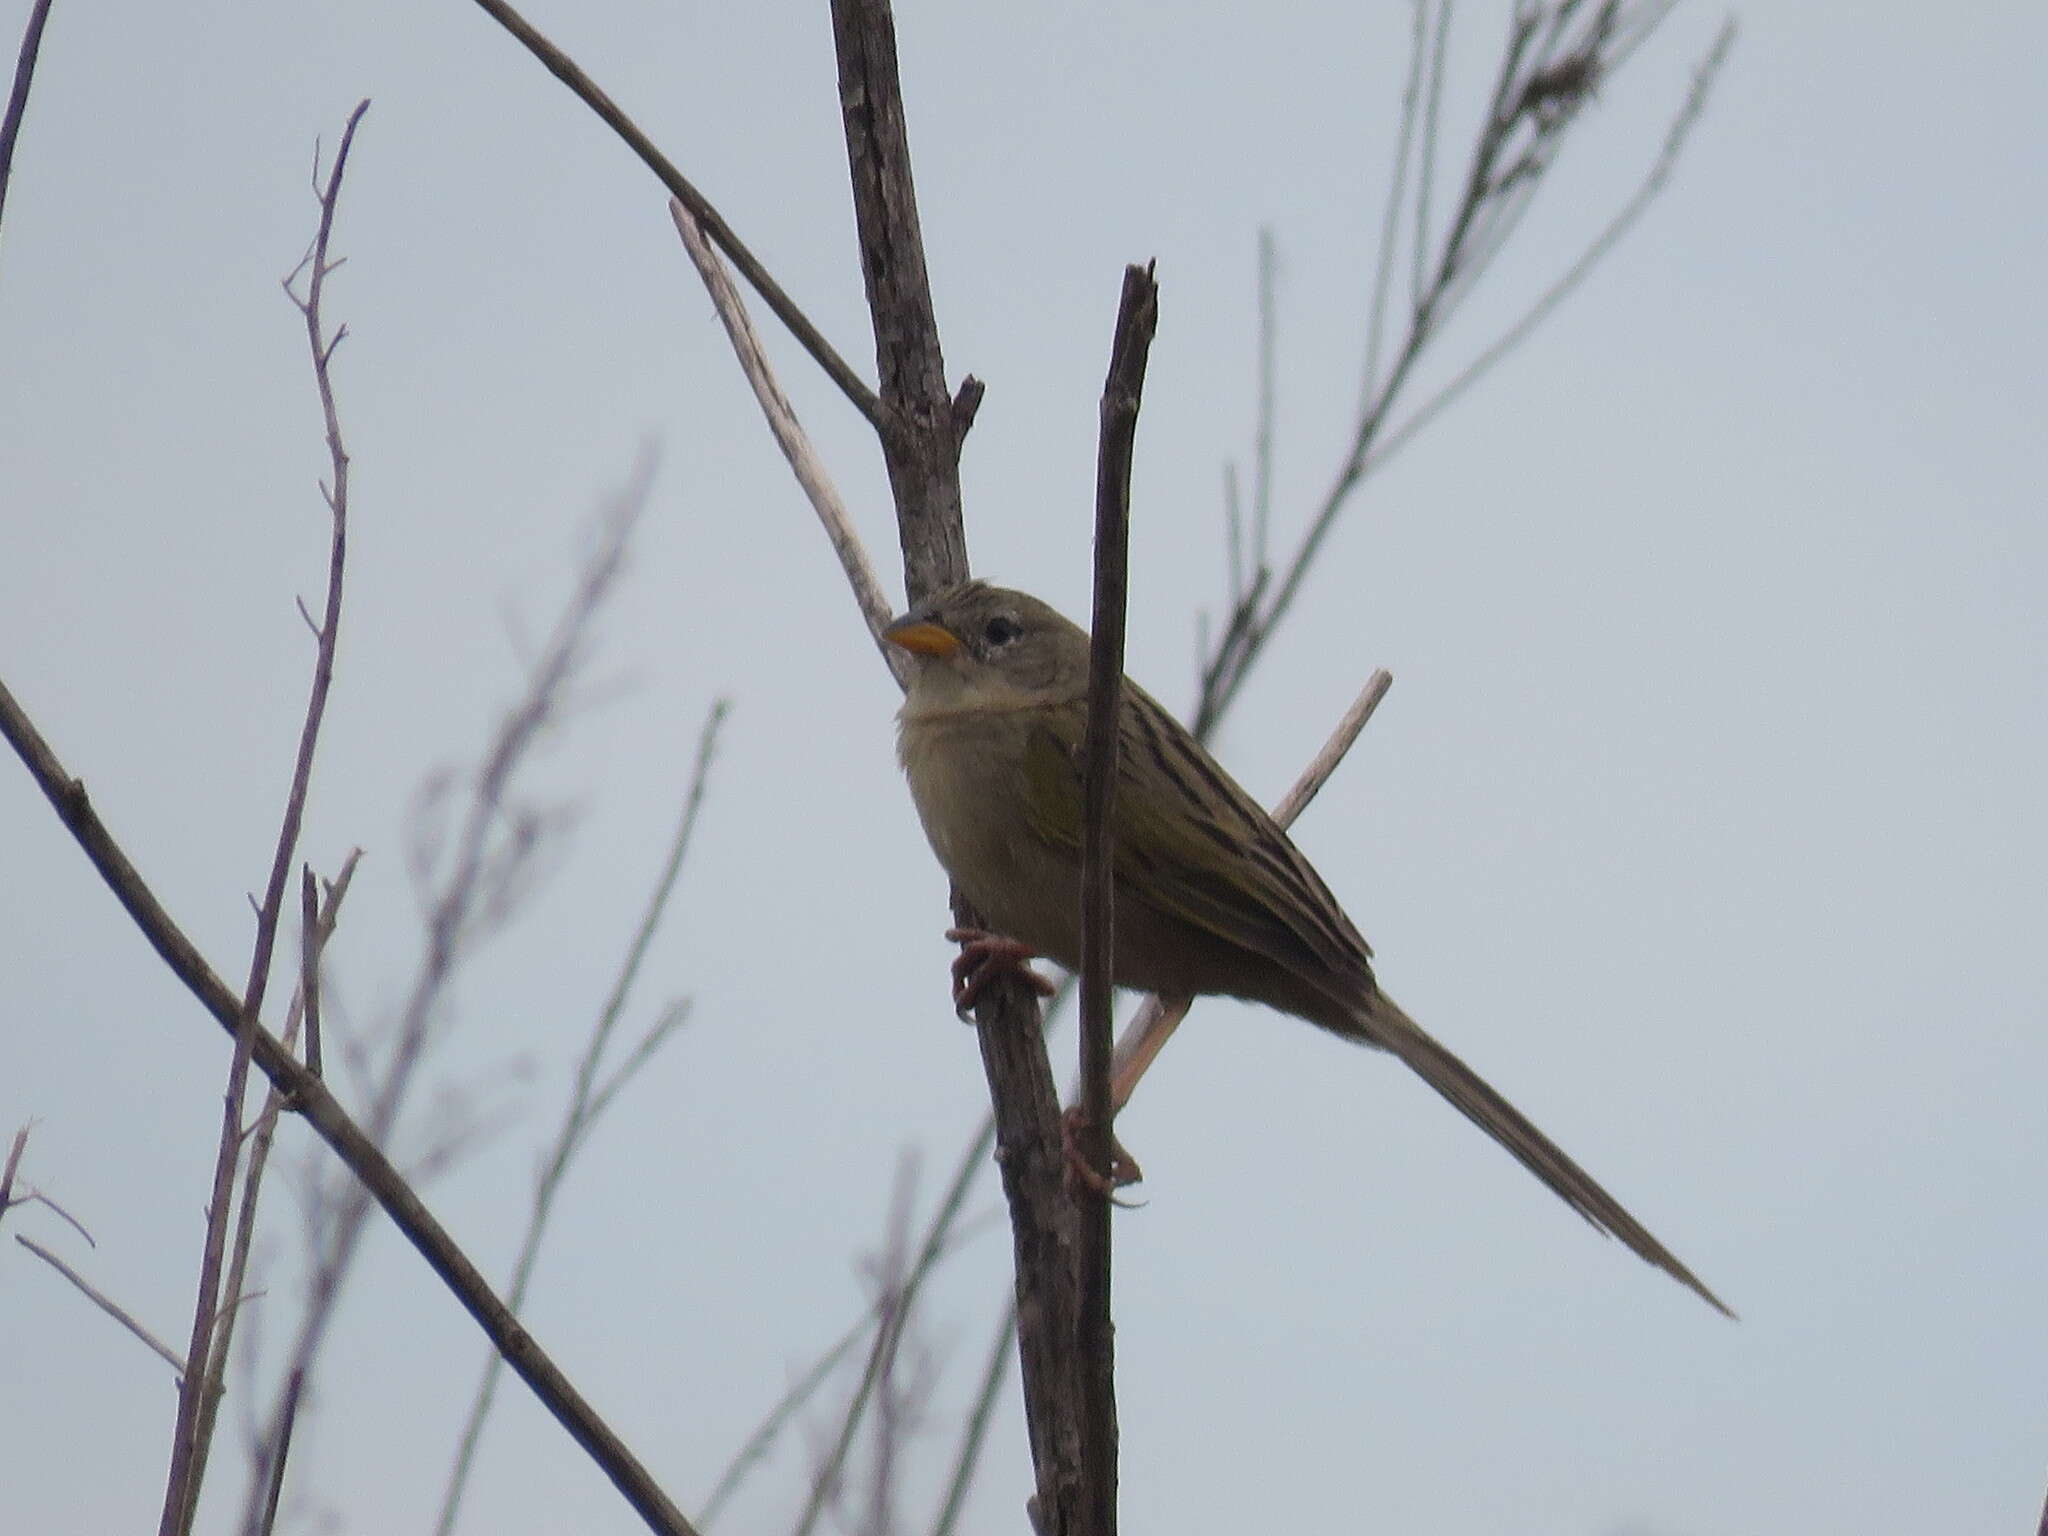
1203, 851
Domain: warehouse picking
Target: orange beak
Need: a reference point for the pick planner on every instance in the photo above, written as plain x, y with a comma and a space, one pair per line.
921, 637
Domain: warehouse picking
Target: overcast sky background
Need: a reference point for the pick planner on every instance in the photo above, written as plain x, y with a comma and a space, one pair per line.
1704, 817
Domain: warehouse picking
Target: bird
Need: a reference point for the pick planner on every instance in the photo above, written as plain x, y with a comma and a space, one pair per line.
1212, 896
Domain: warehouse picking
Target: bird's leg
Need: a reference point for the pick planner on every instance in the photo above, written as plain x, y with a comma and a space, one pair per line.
983, 957
1123, 1168
1141, 1044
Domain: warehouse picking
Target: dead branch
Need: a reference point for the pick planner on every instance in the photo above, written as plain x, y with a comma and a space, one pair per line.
1554, 56
485, 866
791, 438
920, 430
100, 1299
17, 97
588, 1099
565, 69
190, 1438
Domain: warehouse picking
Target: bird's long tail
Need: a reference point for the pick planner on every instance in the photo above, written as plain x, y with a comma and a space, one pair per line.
1385, 1025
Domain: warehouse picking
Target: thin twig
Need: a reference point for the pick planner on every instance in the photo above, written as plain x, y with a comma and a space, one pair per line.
1094, 1341
790, 436
17, 97
1425, 176
918, 425
974, 1434
14, 1152
37, 1197
587, 1101
565, 69
309, 958
323, 1112
192, 1436
1653, 182
1546, 73
1312, 778
757, 1445
1262, 439
99, 1299
938, 1241
1397, 192
485, 866
294, 1389
318, 925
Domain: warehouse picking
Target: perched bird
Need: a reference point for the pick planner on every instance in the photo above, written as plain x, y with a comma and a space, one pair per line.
1211, 895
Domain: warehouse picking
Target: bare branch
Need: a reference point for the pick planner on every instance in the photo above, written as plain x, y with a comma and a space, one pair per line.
974, 1434
757, 1445
294, 1388
318, 926
587, 1101
565, 69
919, 431
99, 1299
1639, 202
334, 1126
1425, 177
17, 98
37, 1197
1312, 778
486, 864
1553, 57
1397, 192
1094, 1341
20, 1145
192, 1435
791, 438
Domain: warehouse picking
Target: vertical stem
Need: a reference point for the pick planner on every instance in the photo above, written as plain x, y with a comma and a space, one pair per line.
1094, 1341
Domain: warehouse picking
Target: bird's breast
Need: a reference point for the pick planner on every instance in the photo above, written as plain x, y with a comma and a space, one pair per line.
967, 778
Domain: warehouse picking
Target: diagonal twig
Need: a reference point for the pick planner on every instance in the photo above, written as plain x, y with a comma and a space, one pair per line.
17, 96
790, 436
588, 1100
107, 1305
323, 1112
565, 69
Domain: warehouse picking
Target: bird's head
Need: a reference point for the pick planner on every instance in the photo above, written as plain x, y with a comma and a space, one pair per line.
977, 645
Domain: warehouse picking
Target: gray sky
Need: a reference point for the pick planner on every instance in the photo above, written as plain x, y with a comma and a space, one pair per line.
1703, 818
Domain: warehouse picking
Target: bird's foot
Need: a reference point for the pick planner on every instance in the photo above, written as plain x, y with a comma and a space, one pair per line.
1123, 1168
983, 957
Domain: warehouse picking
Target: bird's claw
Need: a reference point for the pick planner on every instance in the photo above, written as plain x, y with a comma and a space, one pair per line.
1123, 1168
983, 957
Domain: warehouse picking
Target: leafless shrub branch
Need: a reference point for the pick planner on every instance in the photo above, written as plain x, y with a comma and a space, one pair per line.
566, 70
17, 96
1553, 59
475, 883
100, 1299
588, 1100
191, 1437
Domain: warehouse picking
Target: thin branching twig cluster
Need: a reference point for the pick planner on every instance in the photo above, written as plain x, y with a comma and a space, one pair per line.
1552, 62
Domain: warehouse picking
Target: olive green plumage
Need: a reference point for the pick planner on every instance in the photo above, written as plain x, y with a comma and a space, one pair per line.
1212, 896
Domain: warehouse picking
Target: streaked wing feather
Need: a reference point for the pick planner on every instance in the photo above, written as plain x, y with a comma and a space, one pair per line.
1193, 857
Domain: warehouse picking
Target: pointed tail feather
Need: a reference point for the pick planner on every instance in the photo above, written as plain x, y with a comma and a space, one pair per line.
1385, 1025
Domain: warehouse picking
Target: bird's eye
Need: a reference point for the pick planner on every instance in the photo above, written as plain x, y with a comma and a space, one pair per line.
1002, 630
